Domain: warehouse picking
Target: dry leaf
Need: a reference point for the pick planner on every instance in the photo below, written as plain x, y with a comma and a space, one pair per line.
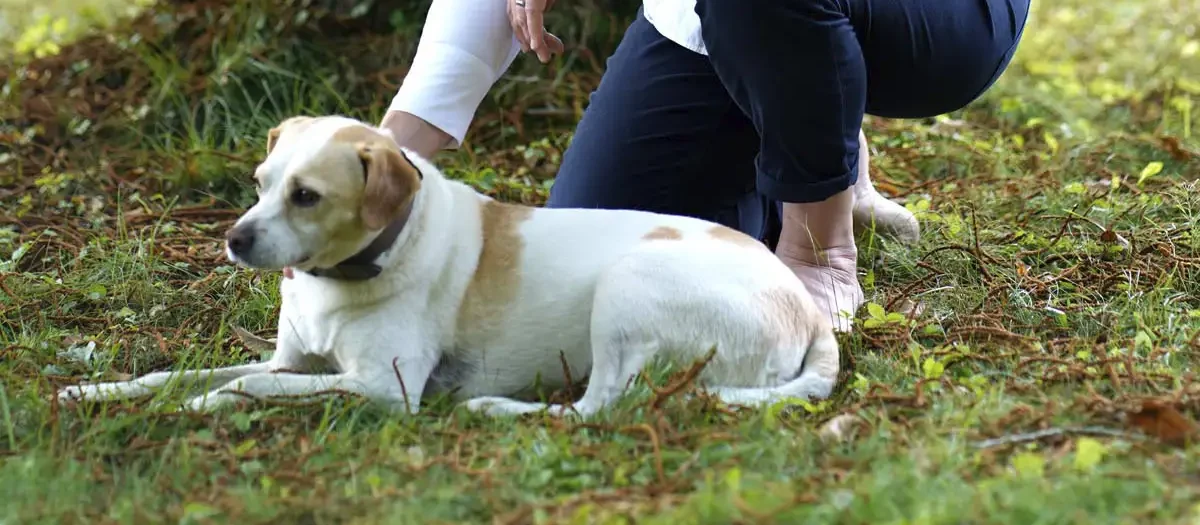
910, 308
1108, 236
1175, 149
1164, 422
839, 428
253, 342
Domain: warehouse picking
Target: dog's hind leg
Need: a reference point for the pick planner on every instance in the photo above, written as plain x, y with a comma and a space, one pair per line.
816, 380
623, 340
760, 335
150, 383
615, 360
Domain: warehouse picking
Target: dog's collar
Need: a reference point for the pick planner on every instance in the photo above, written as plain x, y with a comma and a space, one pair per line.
361, 266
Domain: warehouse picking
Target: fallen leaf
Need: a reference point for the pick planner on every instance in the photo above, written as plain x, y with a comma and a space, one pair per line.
1165, 423
910, 308
1108, 236
1175, 149
839, 428
253, 342
1151, 169
947, 126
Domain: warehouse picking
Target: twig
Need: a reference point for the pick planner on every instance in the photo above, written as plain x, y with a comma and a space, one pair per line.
403, 389
979, 262
570, 402
661, 396
280, 400
1049, 432
655, 443
979, 249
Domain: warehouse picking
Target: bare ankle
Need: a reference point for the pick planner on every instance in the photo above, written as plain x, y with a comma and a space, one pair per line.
863, 188
819, 225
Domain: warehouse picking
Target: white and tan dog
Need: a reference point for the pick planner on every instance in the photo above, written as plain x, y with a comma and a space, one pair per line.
408, 284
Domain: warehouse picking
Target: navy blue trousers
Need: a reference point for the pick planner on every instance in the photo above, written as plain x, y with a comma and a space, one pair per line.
772, 113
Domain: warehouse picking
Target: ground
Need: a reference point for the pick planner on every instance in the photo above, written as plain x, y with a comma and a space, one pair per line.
1032, 360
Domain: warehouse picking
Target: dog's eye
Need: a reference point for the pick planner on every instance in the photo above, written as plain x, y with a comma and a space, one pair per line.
304, 197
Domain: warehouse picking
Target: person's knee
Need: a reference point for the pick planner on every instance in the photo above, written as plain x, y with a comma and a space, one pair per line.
593, 176
581, 188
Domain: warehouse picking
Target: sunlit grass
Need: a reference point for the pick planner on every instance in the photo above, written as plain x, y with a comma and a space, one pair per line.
1057, 280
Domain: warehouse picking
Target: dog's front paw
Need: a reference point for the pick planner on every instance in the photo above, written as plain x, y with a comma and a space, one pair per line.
102, 392
70, 394
483, 404
208, 402
500, 406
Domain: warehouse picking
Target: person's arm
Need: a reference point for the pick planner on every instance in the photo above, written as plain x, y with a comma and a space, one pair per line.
415, 133
466, 45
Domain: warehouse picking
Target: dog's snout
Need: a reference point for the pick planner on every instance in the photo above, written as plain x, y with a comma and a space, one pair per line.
240, 240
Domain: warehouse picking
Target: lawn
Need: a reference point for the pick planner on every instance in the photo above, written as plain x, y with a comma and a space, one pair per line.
1031, 360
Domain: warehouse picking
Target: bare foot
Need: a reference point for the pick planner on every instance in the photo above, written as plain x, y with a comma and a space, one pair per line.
817, 243
874, 211
831, 279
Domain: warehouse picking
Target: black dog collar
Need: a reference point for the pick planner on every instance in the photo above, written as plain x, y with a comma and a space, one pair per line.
361, 266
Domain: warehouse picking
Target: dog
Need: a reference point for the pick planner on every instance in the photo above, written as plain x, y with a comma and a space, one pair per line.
402, 284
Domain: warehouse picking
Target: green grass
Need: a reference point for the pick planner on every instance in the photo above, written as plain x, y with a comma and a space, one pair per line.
1056, 287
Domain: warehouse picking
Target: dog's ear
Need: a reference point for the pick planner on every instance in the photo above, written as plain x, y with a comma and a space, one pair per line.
274, 133
392, 179
273, 137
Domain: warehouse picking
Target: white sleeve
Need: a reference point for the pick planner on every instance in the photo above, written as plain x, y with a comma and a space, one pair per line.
465, 46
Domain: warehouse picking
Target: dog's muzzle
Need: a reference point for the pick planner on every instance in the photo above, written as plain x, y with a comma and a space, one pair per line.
240, 240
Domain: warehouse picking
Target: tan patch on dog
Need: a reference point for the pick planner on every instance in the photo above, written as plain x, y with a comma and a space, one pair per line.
726, 234
496, 282
663, 233
290, 126
392, 179
787, 314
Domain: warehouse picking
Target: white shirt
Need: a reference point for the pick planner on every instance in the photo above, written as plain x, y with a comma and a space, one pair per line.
677, 21
466, 45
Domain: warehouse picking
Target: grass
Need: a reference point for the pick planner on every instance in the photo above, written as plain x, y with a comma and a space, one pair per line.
1056, 286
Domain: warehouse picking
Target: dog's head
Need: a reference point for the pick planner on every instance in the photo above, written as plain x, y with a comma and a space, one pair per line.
326, 189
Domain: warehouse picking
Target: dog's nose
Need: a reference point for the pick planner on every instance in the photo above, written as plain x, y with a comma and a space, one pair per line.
240, 240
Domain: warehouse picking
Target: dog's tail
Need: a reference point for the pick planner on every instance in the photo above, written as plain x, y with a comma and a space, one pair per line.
818, 375
820, 370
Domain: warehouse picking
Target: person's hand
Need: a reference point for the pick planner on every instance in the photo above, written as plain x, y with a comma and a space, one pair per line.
527, 23
817, 243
